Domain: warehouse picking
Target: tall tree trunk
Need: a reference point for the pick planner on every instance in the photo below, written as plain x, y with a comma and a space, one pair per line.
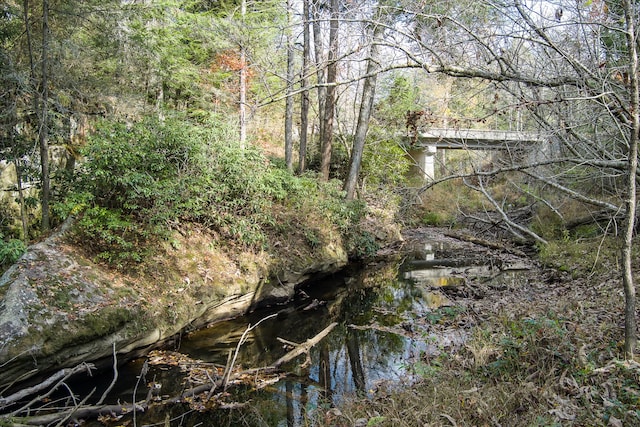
243, 84
288, 114
27, 30
630, 328
320, 65
330, 100
23, 208
366, 106
32, 89
44, 125
304, 100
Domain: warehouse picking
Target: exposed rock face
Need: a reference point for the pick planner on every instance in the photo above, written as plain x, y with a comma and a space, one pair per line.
58, 308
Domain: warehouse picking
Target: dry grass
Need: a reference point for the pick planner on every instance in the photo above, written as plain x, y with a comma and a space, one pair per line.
545, 354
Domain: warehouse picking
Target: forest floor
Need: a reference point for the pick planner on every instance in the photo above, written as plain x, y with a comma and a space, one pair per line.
545, 351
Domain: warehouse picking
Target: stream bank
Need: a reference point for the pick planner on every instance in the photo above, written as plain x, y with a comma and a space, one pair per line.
392, 317
59, 308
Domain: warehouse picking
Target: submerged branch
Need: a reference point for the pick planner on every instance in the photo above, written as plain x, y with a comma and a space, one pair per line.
80, 411
57, 378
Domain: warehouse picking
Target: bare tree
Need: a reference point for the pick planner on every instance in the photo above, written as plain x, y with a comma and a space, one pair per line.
43, 131
304, 100
319, 62
288, 115
630, 330
329, 103
366, 106
572, 76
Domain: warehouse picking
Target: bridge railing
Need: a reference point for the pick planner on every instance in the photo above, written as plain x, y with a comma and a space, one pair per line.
473, 138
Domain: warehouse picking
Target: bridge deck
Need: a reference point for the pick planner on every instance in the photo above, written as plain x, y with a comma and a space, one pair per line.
474, 139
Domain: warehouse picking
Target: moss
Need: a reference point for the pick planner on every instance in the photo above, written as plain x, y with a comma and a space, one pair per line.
91, 327
5, 287
106, 321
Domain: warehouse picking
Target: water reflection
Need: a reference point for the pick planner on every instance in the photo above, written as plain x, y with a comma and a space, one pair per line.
379, 312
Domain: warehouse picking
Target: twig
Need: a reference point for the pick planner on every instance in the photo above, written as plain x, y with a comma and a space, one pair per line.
76, 406
115, 377
451, 420
65, 374
305, 346
289, 343
17, 380
226, 369
143, 372
243, 339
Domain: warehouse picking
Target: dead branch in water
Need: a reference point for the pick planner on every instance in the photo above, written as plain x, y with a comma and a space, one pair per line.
305, 346
81, 411
58, 378
229, 369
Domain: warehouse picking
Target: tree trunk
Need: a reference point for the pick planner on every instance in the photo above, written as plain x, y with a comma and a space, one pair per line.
330, 99
243, 85
304, 101
630, 328
366, 106
44, 125
288, 115
23, 208
319, 60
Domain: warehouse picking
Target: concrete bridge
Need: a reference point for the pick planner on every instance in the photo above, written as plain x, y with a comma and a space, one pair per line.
423, 145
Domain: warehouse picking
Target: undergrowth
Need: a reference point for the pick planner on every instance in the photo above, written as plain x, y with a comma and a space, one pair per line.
140, 182
10, 251
515, 373
549, 357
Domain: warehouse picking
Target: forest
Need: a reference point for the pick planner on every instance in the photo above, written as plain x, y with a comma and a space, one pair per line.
283, 126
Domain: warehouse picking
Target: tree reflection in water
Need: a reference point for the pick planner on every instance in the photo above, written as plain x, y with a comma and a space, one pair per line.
362, 351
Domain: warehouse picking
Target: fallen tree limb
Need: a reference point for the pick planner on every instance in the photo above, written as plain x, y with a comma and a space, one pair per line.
297, 351
82, 412
58, 377
482, 242
229, 368
95, 411
305, 346
115, 376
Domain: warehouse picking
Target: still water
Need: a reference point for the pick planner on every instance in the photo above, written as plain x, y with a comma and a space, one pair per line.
390, 318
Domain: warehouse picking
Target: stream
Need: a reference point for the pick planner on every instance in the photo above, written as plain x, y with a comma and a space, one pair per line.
392, 318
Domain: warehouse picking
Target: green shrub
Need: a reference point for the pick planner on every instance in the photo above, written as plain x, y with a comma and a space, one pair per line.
112, 236
384, 163
141, 179
10, 251
532, 345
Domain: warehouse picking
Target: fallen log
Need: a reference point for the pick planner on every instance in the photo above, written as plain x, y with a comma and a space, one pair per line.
483, 242
80, 413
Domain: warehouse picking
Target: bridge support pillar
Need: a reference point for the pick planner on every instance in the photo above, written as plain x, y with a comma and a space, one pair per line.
423, 159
